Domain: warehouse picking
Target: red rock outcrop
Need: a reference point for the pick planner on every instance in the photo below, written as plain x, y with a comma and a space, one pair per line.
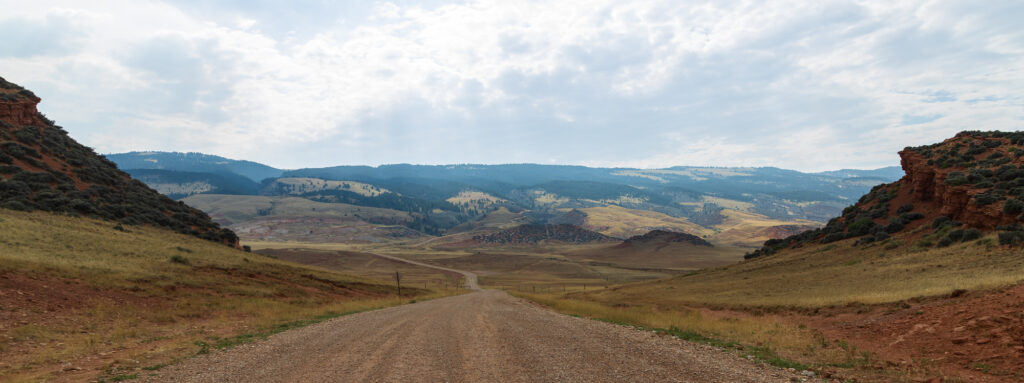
21, 112
928, 186
42, 168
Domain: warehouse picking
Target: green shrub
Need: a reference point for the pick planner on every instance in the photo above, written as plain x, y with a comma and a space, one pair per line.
971, 234
180, 260
1011, 238
956, 179
861, 227
1013, 206
985, 199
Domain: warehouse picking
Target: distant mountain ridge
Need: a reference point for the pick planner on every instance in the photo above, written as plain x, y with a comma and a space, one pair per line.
194, 163
437, 196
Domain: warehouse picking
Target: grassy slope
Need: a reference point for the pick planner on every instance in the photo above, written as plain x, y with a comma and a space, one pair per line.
238, 208
621, 222
659, 255
813, 277
746, 229
837, 274
72, 289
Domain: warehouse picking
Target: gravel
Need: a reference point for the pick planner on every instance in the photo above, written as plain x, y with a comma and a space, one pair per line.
485, 336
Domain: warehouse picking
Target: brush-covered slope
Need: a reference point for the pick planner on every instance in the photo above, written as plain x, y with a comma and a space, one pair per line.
260, 218
954, 191
660, 250
75, 289
42, 168
951, 223
534, 234
659, 237
178, 184
194, 162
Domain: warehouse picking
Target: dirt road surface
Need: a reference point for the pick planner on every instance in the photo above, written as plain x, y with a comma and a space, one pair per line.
470, 281
485, 336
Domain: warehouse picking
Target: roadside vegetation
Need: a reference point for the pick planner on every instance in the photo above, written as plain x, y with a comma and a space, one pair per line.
838, 274
762, 338
90, 298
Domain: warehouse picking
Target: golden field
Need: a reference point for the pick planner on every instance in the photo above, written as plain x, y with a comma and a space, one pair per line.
81, 299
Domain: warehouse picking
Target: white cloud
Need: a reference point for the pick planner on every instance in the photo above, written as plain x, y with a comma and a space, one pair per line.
806, 85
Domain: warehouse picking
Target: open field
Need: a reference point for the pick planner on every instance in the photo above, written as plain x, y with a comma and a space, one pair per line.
291, 218
620, 222
766, 338
369, 266
659, 256
506, 268
740, 228
81, 299
837, 274
296, 186
229, 209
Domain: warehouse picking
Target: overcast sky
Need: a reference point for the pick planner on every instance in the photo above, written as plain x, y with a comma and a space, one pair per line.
809, 85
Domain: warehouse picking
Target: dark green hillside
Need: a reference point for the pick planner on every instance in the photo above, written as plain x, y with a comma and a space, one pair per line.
174, 183
42, 168
194, 162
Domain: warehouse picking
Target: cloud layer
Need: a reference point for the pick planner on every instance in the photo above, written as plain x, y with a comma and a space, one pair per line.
803, 85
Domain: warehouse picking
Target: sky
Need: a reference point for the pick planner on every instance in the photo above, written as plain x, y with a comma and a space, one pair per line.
806, 85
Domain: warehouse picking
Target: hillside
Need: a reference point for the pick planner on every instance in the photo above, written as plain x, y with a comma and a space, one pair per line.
533, 234
42, 168
924, 273
449, 199
101, 302
665, 237
178, 184
954, 191
195, 163
262, 218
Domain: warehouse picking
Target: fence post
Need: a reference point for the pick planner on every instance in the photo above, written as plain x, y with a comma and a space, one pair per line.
398, 282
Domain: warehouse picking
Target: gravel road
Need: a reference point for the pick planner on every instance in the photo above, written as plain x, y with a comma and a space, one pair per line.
470, 282
485, 336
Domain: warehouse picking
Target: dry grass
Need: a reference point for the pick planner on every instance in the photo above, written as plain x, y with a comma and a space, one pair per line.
621, 222
836, 274
147, 296
475, 198
766, 337
296, 186
742, 228
241, 208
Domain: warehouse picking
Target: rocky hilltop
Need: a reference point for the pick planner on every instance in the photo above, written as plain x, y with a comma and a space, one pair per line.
665, 237
955, 191
42, 168
532, 234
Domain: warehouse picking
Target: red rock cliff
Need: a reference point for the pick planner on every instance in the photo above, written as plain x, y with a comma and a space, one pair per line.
928, 186
21, 112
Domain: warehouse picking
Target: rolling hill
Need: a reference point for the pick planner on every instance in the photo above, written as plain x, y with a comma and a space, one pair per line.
452, 198
892, 271
264, 218
104, 279
537, 234
194, 163
178, 184
42, 168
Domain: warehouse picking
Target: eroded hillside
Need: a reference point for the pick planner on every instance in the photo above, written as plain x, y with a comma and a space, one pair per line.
42, 168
